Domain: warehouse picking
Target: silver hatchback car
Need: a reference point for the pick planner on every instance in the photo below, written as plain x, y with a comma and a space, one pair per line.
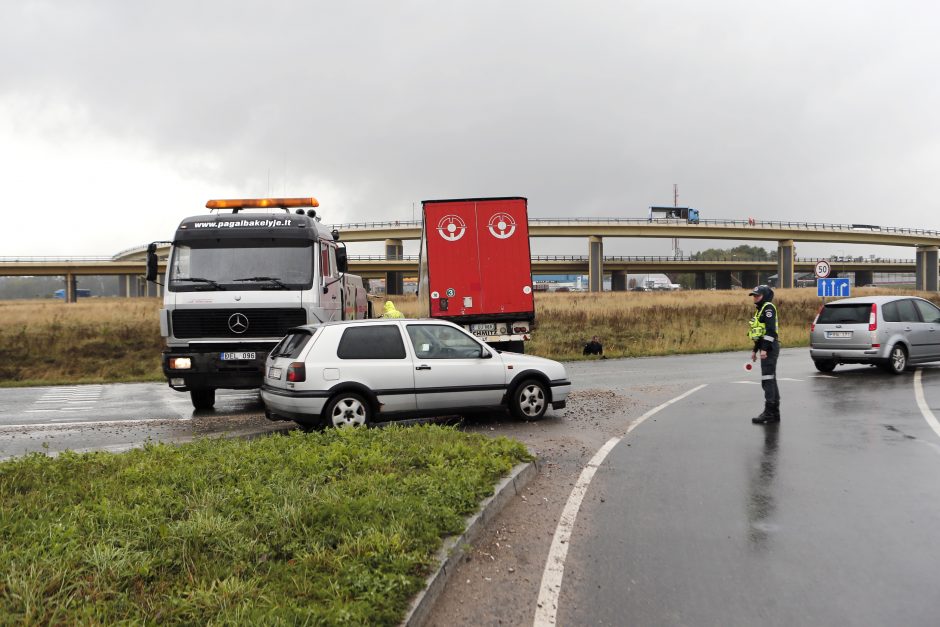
892, 332
357, 372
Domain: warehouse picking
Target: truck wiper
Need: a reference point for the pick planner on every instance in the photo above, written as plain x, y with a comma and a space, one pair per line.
272, 279
197, 279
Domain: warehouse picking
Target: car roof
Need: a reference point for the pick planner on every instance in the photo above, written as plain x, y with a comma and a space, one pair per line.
868, 300
332, 323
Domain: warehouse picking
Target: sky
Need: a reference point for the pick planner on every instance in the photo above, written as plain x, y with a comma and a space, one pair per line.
118, 119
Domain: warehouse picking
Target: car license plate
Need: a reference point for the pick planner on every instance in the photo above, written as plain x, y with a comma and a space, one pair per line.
274, 373
483, 326
237, 356
837, 334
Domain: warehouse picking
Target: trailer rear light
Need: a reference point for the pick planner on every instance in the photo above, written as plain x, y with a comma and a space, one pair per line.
262, 203
812, 327
297, 372
180, 363
520, 327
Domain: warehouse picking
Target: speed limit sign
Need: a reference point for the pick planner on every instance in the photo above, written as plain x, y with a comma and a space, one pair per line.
822, 269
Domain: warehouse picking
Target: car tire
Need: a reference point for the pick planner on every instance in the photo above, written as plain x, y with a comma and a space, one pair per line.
348, 409
529, 400
897, 360
824, 365
203, 398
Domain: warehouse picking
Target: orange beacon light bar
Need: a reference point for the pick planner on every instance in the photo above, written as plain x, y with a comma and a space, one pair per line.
261, 203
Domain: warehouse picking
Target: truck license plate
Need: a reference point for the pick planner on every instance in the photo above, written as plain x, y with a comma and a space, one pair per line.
237, 356
483, 326
834, 334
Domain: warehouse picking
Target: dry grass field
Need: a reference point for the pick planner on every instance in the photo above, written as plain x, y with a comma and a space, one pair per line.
46, 342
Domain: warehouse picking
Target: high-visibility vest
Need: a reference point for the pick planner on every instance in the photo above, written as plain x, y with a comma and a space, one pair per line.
758, 328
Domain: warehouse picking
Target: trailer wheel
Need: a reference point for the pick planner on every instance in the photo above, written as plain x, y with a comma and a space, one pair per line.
203, 398
529, 400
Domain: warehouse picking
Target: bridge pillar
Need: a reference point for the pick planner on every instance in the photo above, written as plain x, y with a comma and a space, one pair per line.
925, 276
723, 280
618, 281
700, 281
785, 263
71, 288
124, 283
394, 281
749, 278
595, 263
864, 277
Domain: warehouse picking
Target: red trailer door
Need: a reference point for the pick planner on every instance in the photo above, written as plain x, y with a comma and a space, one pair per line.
478, 257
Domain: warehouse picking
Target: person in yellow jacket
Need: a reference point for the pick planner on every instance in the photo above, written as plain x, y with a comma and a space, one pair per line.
391, 312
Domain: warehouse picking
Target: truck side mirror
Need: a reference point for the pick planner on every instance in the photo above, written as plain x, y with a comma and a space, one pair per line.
152, 262
341, 262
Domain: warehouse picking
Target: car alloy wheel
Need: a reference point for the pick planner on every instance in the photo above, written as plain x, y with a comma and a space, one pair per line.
898, 359
530, 400
349, 410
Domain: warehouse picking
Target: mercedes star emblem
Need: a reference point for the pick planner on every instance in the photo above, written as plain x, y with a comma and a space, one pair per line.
238, 323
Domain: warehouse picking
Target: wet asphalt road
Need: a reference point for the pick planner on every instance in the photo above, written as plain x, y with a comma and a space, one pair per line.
831, 518
697, 517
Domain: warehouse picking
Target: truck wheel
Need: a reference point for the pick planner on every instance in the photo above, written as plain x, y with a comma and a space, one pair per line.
203, 398
348, 409
529, 400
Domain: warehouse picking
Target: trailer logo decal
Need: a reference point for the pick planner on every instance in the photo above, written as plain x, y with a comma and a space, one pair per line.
238, 323
502, 226
451, 228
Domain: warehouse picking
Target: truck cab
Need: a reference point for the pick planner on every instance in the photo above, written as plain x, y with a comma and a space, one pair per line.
237, 281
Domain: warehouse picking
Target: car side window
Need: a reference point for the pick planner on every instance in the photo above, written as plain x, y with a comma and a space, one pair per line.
371, 342
436, 341
907, 311
928, 311
890, 312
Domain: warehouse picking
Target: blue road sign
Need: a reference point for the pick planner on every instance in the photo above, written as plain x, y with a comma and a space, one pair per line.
832, 287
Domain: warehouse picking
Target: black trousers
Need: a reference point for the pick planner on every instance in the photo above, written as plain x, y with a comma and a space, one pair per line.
768, 375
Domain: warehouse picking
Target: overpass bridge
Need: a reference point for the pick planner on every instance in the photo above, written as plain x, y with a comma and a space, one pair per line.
394, 265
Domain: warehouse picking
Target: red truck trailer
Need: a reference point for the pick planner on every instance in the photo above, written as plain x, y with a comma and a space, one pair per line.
476, 269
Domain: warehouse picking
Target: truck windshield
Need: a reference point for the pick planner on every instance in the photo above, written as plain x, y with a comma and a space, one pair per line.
212, 266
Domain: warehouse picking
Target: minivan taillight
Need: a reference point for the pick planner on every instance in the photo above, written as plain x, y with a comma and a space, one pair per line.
297, 372
873, 318
812, 327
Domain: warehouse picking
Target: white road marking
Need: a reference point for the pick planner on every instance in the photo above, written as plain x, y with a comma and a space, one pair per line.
547, 607
922, 403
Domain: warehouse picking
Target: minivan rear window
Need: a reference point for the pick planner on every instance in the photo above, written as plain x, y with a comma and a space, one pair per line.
855, 313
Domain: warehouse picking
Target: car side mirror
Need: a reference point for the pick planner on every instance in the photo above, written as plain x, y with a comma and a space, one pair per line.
485, 354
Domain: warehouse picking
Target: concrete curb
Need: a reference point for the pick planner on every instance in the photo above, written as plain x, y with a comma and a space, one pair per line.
452, 551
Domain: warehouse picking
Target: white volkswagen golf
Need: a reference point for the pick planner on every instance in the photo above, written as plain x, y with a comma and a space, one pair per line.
356, 372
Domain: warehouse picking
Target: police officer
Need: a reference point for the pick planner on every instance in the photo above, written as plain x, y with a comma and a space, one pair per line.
764, 331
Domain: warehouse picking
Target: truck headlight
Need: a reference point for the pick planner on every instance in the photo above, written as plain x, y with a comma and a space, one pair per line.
180, 363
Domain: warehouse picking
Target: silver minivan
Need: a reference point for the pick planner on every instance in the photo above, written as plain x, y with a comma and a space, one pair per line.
892, 332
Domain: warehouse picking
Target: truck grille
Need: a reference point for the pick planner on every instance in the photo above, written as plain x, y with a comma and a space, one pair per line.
199, 323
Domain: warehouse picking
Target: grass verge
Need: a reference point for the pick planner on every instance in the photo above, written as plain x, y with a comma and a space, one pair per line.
338, 527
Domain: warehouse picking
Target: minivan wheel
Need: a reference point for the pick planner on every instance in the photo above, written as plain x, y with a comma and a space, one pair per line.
530, 400
203, 398
348, 409
824, 365
897, 360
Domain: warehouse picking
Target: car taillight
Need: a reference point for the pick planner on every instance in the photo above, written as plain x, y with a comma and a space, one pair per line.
297, 372
812, 327
873, 326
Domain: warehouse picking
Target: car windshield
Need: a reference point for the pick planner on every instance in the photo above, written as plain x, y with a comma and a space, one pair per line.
855, 313
254, 266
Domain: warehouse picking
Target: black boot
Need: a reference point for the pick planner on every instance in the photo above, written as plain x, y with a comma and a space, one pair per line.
768, 415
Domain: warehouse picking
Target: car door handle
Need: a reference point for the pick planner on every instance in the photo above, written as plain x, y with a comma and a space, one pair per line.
422, 367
